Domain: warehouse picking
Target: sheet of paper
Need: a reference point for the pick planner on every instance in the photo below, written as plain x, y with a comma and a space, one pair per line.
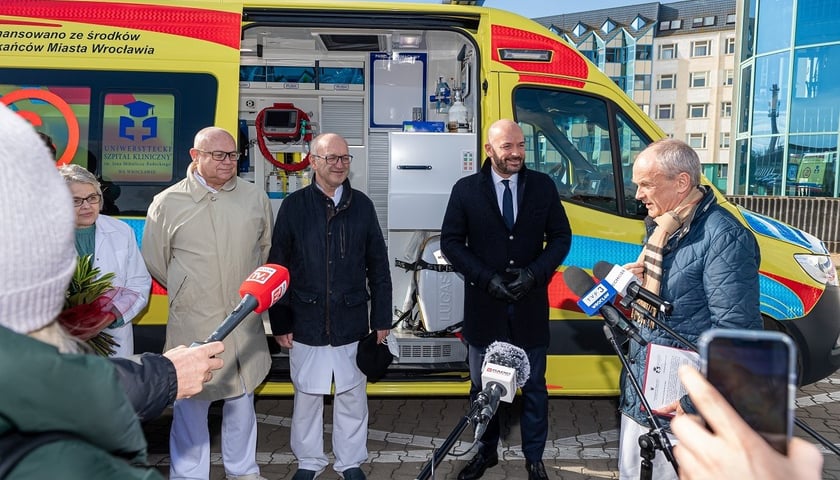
661, 384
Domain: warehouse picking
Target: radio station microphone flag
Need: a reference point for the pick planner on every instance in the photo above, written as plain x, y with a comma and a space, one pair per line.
262, 289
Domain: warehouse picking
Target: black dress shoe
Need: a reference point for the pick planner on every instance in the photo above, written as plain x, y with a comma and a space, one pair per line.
536, 470
484, 459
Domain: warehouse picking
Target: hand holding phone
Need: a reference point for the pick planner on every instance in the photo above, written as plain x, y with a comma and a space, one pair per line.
733, 450
755, 371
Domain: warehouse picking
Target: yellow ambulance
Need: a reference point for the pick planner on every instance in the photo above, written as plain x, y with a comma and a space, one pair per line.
123, 86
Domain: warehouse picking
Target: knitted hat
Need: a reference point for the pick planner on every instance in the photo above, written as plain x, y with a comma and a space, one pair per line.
37, 222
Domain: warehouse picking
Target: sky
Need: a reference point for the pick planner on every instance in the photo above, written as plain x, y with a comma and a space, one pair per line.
544, 8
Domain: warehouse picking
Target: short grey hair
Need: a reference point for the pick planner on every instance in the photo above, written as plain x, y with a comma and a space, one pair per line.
73, 173
675, 157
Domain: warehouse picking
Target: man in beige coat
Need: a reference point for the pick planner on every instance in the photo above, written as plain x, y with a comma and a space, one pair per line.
203, 237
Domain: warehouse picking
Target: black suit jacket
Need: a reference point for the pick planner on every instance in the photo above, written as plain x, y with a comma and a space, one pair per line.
476, 241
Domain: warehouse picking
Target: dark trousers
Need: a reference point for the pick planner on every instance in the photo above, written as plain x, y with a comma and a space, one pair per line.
533, 422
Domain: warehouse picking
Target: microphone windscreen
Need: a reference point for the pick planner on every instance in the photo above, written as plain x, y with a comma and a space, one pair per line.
511, 356
602, 269
268, 283
578, 281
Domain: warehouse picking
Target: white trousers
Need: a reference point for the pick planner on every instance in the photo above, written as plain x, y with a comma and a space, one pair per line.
349, 435
189, 438
629, 454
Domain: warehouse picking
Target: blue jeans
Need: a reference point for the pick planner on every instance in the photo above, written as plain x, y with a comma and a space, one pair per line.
533, 422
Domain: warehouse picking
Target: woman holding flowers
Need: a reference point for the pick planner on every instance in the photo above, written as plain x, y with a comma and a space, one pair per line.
113, 245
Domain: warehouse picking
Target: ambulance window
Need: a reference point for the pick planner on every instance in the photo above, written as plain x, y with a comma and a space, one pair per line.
631, 142
568, 137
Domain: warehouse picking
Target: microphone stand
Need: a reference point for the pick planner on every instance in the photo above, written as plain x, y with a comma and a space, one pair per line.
656, 438
472, 416
798, 422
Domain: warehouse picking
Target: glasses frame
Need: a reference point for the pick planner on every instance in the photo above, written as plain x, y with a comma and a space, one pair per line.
233, 156
345, 159
78, 202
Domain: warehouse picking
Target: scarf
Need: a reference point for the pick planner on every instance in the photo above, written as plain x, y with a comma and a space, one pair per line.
666, 225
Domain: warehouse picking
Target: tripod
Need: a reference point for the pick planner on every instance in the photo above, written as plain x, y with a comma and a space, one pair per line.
799, 423
473, 416
656, 438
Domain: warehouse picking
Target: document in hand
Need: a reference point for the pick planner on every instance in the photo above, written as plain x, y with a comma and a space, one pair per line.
661, 384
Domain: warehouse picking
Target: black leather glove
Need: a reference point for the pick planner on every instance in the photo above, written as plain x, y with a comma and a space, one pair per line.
523, 283
498, 289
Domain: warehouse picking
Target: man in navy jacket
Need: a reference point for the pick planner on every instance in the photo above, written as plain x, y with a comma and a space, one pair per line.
508, 250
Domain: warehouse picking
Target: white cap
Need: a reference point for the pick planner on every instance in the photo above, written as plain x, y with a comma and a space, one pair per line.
37, 223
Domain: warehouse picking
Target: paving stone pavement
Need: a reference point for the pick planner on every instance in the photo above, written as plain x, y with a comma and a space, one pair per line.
582, 439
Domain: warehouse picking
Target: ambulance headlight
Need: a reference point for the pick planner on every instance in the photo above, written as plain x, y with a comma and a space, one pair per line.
818, 267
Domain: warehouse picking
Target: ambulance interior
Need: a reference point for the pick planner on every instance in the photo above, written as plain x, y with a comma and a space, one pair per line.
389, 93
406, 101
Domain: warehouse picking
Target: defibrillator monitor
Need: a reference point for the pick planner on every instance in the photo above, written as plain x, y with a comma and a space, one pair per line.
281, 124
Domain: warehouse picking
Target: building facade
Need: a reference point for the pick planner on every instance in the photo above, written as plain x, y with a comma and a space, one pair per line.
675, 60
788, 99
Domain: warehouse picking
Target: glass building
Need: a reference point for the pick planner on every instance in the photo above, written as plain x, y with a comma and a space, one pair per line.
788, 101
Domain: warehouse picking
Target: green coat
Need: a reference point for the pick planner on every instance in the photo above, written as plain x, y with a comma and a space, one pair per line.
43, 390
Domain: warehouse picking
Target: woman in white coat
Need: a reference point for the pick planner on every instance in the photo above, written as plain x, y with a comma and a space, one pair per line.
114, 248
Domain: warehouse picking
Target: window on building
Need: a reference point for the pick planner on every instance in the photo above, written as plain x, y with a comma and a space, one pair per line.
698, 22
668, 51
731, 19
667, 81
701, 48
698, 79
665, 112
621, 82
638, 22
696, 140
724, 140
729, 46
608, 26
676, 24
615, 55
579, 30
592, 55
644, 52
726, 109
698, 110
728, 77
642, 82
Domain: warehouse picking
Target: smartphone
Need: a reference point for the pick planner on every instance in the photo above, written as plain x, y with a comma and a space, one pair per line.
755, 371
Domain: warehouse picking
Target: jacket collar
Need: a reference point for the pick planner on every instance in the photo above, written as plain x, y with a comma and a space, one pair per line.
346, 192
198, 191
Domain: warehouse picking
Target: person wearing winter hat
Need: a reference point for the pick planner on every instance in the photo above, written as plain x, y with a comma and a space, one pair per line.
53, 404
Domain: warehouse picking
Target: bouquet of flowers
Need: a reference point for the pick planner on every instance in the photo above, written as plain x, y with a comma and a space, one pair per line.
91, 304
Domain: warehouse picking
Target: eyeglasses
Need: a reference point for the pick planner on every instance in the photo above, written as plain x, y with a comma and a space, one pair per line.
92, 199
220, 156
333, 159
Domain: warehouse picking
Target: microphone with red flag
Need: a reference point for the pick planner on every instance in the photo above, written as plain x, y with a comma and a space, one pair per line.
262, 289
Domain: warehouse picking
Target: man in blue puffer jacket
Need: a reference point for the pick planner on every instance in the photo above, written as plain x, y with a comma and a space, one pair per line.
697, 256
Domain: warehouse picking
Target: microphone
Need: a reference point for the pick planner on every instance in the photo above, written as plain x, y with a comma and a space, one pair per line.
627, 285
263, 287
598, 299
505, 368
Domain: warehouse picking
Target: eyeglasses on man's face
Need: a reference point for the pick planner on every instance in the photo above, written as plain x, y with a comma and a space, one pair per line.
92, 199
333, 159
220, 156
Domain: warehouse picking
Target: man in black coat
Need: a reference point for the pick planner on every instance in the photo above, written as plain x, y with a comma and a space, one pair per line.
506, 232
